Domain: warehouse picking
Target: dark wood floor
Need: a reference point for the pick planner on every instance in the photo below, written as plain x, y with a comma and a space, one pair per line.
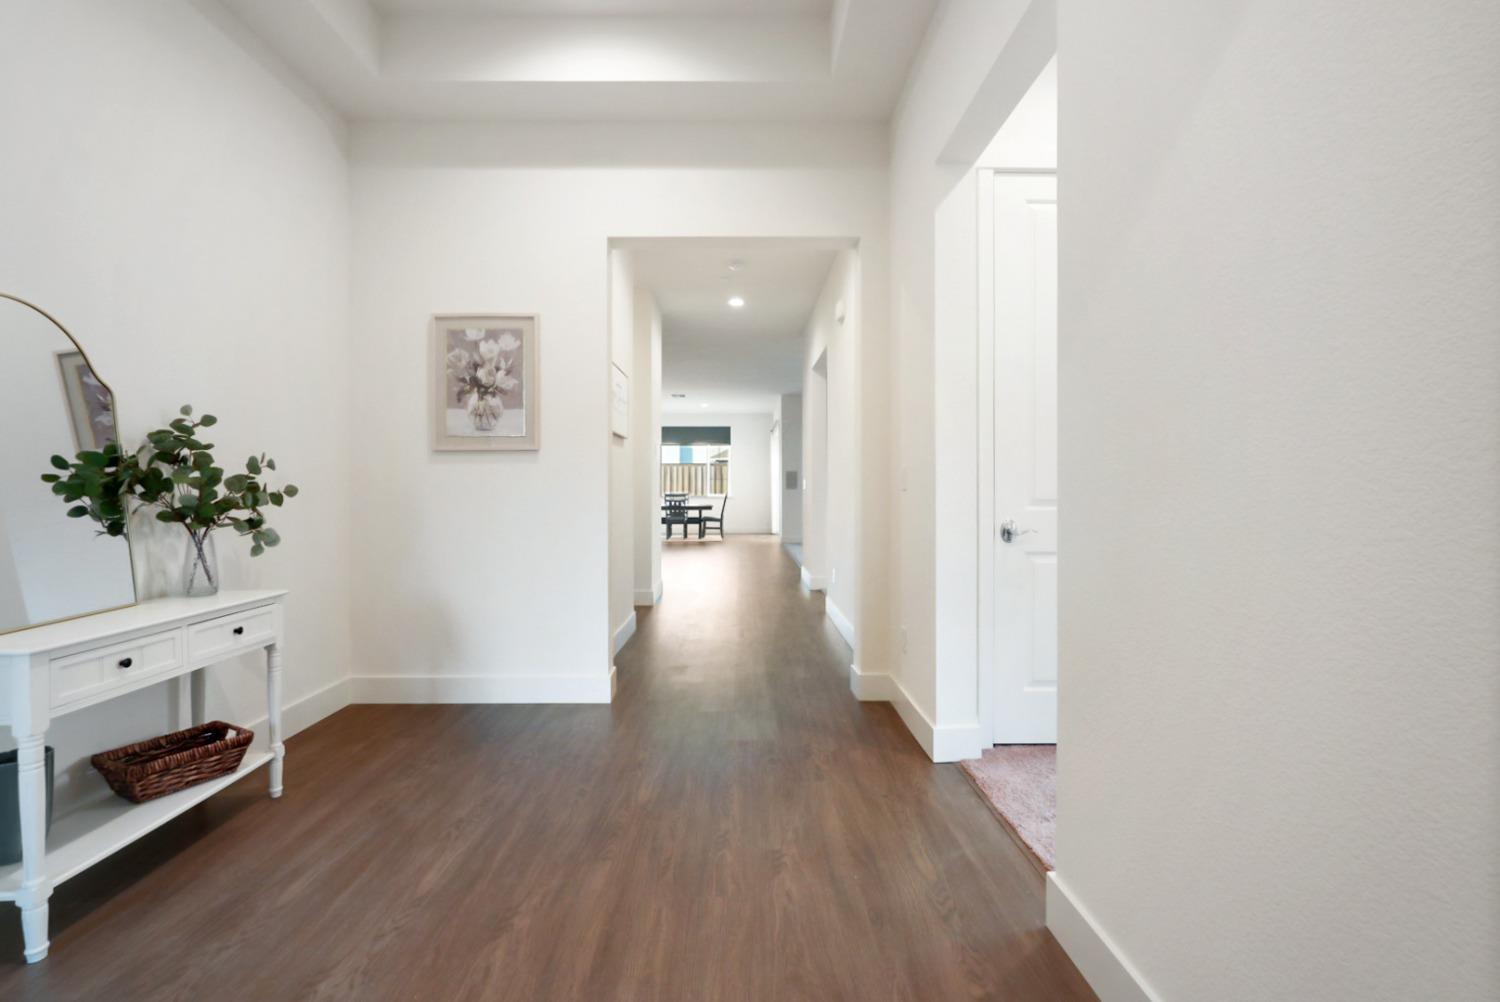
734, 826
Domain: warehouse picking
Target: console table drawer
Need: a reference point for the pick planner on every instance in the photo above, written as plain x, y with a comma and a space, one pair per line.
88, 673
243, 631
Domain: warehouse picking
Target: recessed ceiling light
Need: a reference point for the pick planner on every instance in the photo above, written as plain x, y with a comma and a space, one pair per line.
736, 302
703, 405
679, 396
736, 264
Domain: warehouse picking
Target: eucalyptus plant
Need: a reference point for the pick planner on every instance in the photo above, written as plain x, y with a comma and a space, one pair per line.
174, 473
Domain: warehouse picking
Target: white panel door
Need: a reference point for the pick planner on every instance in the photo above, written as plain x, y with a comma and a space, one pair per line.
1025, 492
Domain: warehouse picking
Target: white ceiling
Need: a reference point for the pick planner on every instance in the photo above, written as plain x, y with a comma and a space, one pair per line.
597, 60
727, 360
609, 6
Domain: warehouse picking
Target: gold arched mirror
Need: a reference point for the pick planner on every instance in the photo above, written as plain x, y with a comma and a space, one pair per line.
52, 402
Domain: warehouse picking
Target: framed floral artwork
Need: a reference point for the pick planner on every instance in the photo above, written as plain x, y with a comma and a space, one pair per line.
485, 379
90, 406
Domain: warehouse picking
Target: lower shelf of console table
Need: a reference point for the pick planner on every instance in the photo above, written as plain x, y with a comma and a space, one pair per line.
95, 830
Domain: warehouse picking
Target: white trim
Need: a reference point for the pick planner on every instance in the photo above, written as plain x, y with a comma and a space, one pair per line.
948, 743
869, 687
302, 714
651, 596
1097, 957
840, 622
812, 582
597, 687
312, 708
984, 648
624, 632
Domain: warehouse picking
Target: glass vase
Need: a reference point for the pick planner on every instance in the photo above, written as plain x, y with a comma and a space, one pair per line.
200, 566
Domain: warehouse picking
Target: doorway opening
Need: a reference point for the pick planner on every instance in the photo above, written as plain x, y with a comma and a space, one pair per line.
1015, 207
723, 348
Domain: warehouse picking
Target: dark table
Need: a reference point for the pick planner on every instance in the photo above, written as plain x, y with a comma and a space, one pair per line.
702, 532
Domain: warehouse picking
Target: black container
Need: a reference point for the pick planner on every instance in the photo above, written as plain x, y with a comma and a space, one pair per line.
10, 807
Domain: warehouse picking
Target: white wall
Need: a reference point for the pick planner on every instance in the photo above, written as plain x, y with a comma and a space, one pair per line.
1280, 377
645, 418
622, 464
791, 462
835, 508
749, 509
815, 545
775, 471
495, 575
1029, 136
185, 213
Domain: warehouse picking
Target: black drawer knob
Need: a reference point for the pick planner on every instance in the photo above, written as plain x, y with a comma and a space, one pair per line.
238, 630
126, 662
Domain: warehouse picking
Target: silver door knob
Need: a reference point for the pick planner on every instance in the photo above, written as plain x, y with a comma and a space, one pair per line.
1009, 532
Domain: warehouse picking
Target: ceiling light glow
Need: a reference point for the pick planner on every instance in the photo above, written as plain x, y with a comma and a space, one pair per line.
736, 303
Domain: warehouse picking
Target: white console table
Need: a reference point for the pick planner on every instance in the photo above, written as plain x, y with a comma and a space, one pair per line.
48, 671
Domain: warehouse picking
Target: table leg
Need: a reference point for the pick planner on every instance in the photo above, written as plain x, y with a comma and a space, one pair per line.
31, 789
191, 700
273, 715
198, 695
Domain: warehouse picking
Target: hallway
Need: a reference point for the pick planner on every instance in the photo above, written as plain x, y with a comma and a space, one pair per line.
734, 826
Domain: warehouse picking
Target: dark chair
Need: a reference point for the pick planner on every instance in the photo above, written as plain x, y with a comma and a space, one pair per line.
713, 521
674, 512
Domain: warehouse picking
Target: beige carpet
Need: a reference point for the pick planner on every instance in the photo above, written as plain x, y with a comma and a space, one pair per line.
1020, 783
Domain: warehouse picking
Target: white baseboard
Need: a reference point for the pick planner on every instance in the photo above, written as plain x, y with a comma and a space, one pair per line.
303, 713
648, 596
949, 743
1097, 957
624, 632
592, 688
813, 582
840, 622
869, 687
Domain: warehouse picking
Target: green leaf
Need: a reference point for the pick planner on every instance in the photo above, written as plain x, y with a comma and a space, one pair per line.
270, 464
208, 421
59, 462
50, 478
77, 511
236, 483
167, 516
290, 490
257, 550
253, 465
276, 498
186, 410
270, 536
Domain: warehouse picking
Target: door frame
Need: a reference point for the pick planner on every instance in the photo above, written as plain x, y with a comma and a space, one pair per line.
984, 209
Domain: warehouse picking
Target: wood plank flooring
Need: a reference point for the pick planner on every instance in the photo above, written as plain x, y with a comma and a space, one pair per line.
735, 826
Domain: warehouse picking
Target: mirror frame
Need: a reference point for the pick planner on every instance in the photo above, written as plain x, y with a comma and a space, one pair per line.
129, 546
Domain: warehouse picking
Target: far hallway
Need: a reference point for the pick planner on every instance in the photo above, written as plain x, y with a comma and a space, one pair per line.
735, 826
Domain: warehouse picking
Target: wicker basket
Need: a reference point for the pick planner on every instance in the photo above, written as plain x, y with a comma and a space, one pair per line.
159, 766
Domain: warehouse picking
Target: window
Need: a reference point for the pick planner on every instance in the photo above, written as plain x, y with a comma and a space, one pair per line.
695, 461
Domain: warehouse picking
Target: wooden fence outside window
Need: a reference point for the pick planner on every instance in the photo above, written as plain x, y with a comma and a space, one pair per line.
696, 479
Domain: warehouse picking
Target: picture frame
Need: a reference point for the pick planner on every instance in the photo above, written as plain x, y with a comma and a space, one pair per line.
485, 382
619, 402
89, 402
